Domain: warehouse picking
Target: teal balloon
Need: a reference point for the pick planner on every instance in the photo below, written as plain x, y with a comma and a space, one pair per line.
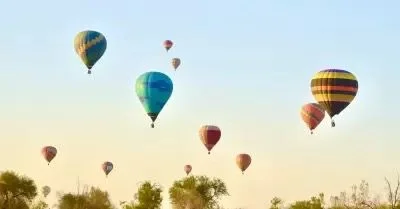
153, 90
90, 46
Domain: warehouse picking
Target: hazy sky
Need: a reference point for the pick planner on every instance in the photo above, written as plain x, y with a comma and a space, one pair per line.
246, 67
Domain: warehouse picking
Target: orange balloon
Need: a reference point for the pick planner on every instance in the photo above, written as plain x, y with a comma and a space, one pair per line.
243, 161
312, 114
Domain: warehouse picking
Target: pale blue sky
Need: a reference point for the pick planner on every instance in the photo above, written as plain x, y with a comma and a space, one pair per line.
246, 67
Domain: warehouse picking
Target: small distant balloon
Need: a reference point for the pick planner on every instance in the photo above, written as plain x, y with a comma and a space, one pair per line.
187, 169
153, 90
46, 191
168, 44
90, 46
107, 167
312, 114
243, 161
176, 62
209, 135
49, 152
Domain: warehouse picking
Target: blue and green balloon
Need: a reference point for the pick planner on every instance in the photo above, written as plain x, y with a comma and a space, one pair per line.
154, 90
90, 46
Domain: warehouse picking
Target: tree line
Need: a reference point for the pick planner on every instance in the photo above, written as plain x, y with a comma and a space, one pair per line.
358, 198
192, 192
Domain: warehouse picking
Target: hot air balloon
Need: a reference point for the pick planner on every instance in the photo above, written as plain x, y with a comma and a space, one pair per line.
209, 135
334, 90
90, 46
49, 153
107, 167
243, 161
168, 44
176, 62
312, 114
187, 169
154, 90
46, 191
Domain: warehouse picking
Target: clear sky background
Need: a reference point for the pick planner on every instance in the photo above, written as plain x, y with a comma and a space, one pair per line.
246, 67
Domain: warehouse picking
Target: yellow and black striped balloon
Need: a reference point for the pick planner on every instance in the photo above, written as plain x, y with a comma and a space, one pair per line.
334, 89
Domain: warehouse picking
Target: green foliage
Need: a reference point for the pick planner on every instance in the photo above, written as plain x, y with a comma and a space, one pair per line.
148, 196
16, 191
197, 192
39, 205
358, 198
194, 192
94, 199
313, 203
276, 203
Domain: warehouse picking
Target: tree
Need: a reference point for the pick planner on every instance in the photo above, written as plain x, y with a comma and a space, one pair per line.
39, 205
197, 192
276, 203
16, 191
358, 199
94, 199
148, 196
72, 201
393, 195
313, 203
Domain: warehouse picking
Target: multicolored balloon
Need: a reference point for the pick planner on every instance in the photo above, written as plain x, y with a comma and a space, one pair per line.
176, 62
243, 161
90, 46
187, 169
154, 90
46, 191
312, 114
107, 167
49, 152
209, 135
334, 89
168, 44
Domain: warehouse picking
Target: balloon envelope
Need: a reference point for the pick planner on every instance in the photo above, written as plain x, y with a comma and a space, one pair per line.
209, 135
90, 46
176, 62
187, 169
243, 161
154, 90
107, 167
168, 44
49, 152
46, 191
334, 89
312, 114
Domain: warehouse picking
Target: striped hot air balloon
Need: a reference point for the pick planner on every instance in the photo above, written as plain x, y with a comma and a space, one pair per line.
334, 89
312, 114
209, 135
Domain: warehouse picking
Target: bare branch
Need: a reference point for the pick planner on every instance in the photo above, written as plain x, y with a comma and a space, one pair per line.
390, 193
369, 204
396, 191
